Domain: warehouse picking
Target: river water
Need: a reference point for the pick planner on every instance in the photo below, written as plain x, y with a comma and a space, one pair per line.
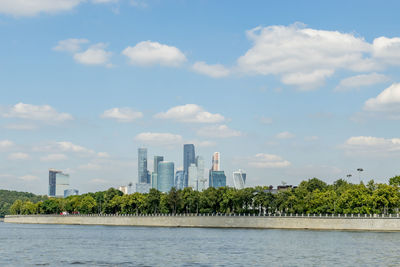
65, 245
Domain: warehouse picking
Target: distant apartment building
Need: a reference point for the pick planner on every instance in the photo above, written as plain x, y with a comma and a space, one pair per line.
165, 176
239, 179
71, 192
58, 183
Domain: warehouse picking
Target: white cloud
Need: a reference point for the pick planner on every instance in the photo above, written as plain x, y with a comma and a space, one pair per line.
39, 113
18, 156
262, 160
369, 145
355, 82
386, 101
6, 144
34, 7
63, 146
90, 166
159, 138
387, 50
311, 138
190, 113
303, 56
70, 147
20, 127
94, 55
215, 71
199, 143
103, 155
218, 131
122, 114
266, 120
29, 178
54, 157
149, 53
70, 45
285, 135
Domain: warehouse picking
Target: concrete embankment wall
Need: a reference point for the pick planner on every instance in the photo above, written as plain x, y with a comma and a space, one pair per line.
317, 223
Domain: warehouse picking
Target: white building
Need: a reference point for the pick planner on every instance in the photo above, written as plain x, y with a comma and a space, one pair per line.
193, 176
123, 189
239, 179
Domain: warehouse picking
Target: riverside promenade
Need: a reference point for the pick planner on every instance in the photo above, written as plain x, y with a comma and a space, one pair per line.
377, 222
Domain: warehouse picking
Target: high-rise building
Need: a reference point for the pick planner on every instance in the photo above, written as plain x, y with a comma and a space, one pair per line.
165, 176
239, 179
217, 179
179, 179
71, 192
216, 165
143, 173
157, 159
188, 158
58, 183
193, 176
154, 180
201, 181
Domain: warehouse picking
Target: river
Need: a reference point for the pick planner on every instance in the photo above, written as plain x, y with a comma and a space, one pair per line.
65, 245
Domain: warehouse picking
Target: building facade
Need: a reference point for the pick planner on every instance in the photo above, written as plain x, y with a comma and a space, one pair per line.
123, 189
165, 176
193, 176
143, 173
58, 183
143, 188
239, 179
189, 157
179, 179
216, 159
217, 179
71, 192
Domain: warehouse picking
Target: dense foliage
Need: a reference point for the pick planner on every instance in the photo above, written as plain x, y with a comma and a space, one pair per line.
7, 198
312, 196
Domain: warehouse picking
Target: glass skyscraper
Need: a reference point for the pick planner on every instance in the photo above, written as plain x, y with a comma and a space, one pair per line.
239, 179
189, 157
165, 176
143, 173
58, 183
217, 179
179, 179
157, 159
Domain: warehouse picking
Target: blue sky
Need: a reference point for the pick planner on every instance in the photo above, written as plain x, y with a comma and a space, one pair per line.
285, 90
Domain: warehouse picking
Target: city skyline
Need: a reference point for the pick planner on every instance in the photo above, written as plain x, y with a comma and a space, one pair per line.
288, 92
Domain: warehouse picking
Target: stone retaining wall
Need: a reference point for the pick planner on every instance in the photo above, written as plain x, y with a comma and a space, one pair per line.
316, 223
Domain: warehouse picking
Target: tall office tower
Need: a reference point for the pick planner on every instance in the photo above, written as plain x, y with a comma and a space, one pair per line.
193, 176
143, 174
157, 159
154, 180
216, 161
188, 158
217, 179
58, 183
179, 179
165, 176
239, 179
201, 181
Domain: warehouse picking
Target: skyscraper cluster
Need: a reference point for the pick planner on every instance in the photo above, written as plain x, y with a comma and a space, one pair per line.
164, 177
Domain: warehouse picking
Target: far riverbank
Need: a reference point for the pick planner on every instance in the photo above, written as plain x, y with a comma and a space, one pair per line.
315, 222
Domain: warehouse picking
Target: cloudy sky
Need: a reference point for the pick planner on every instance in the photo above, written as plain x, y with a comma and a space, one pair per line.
284, 90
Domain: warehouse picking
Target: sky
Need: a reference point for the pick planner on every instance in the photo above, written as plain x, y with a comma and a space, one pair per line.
284, 90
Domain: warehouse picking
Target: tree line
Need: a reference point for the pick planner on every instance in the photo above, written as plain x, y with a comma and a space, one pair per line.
313, 196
